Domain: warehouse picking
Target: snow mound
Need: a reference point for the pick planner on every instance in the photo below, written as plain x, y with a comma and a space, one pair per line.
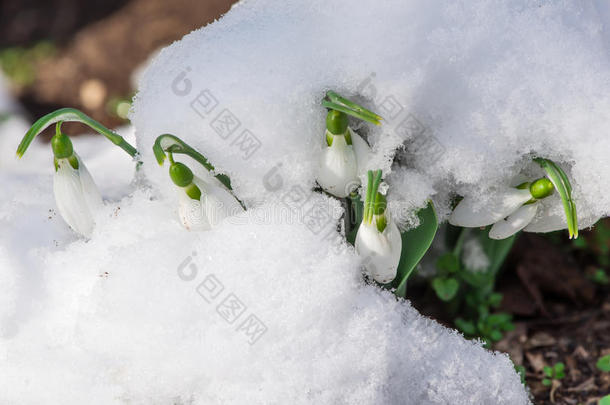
472, 88
146, 313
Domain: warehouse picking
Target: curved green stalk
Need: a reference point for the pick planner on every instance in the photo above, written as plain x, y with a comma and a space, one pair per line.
168, 143
340, 100
73, 115
564, 188
339, 103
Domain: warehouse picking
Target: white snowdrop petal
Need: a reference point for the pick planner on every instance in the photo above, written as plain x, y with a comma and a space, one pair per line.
338, 171
216, 204
192, 212
470, 213
362, 151
514, 223
70, 199
380, 251
90, 190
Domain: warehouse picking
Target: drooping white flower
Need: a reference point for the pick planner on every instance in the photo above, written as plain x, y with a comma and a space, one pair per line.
509, 210
380, 250
341, 163
345, 155
378, 241
76, 194
202, 202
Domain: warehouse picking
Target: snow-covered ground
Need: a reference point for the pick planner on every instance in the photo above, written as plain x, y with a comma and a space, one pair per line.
141, 313
267, 307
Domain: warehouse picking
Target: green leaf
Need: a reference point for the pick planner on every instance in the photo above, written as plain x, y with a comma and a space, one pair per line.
605, 400
445, 288
467, 327
548, 371
357, 210
495, 299
499, 318
604, 363
495, 335
171, 143
496, 250
448, 263
546, 382
564, 188
342, 104
521, 371
72, 115
415, 243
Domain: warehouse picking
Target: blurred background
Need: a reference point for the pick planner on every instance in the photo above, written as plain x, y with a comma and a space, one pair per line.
87, 54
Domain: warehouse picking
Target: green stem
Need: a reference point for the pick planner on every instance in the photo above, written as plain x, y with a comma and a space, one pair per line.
168, 143
371, 193
73, 115
367, 200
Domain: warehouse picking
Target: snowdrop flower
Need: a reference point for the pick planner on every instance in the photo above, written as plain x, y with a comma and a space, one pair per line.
509, 210
76, 195
378, 239
346, 153
202, 203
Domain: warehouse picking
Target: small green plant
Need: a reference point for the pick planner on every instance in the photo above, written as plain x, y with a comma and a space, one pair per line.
557, 372
605, 400
603, 363
600, 277
521, 371
19, 64
480, 321
445, 284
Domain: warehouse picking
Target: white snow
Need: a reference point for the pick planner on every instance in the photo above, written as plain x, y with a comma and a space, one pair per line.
119, 319
122, 318
475, 87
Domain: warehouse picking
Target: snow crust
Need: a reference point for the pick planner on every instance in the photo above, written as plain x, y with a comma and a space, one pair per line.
138, 313
473, 89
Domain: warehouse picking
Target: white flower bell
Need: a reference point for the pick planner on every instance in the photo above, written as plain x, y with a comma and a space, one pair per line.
203, 203
76, 194
378, 241
509, 210
340, 161
345, 156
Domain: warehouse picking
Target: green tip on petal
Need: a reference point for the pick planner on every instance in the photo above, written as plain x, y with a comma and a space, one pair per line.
562, 184
380, 204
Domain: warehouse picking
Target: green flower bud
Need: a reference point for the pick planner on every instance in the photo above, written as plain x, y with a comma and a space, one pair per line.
336, 122
542, 188
180, 174
62, 146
